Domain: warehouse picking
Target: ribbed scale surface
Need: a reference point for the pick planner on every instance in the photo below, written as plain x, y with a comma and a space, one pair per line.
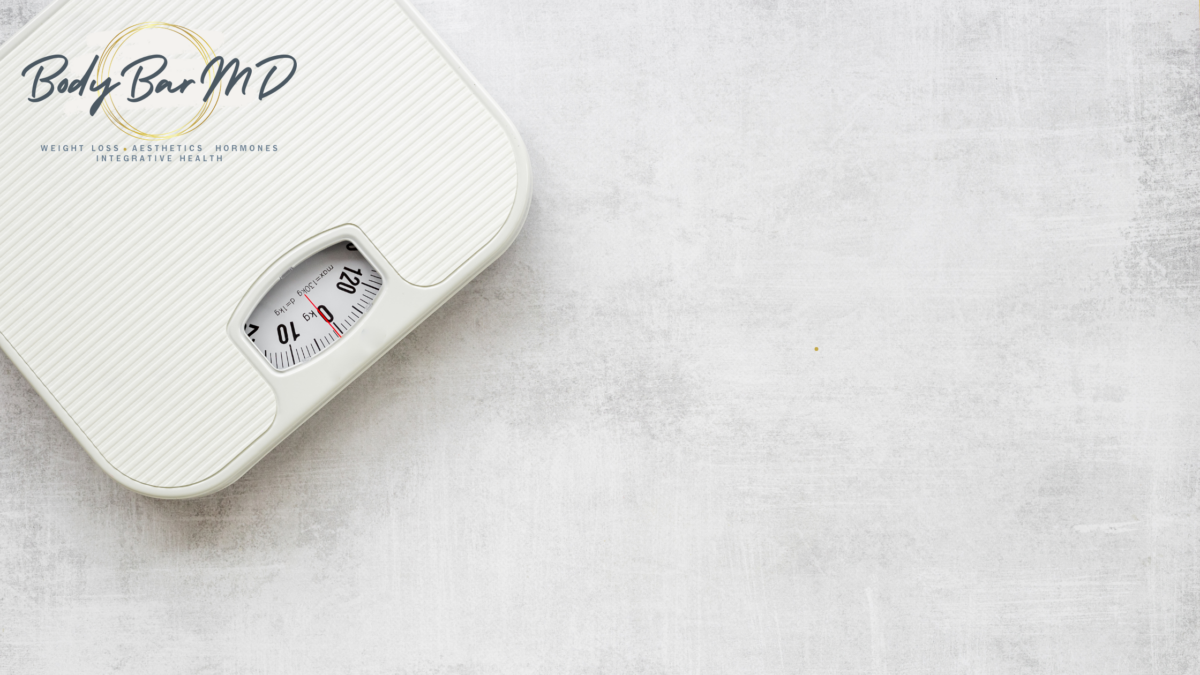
120, 278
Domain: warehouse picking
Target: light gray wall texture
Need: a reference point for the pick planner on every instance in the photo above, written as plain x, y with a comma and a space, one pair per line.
620, 450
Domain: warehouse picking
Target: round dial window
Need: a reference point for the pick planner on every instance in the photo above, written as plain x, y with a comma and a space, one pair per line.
313, 306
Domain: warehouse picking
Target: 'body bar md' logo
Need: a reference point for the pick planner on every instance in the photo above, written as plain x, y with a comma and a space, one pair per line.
147, 81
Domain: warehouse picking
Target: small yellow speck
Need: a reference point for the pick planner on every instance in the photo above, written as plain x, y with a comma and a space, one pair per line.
816, 349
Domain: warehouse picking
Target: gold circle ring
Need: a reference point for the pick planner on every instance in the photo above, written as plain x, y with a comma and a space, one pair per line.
110, 108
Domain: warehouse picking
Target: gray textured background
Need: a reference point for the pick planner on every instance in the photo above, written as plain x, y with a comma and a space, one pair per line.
618, 451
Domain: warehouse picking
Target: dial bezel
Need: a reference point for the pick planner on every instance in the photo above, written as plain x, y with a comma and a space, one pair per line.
268, 280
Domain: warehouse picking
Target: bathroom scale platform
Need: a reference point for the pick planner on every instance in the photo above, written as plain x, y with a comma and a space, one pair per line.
214, 216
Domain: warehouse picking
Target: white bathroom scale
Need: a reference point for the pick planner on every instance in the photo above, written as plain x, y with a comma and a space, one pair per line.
215, 215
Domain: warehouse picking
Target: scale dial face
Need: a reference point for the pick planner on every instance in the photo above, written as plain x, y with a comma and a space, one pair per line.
313, 306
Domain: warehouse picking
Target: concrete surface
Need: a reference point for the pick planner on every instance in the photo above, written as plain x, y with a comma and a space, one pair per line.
620, 450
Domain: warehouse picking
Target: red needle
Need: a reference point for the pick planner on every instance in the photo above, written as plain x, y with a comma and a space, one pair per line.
335, 330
